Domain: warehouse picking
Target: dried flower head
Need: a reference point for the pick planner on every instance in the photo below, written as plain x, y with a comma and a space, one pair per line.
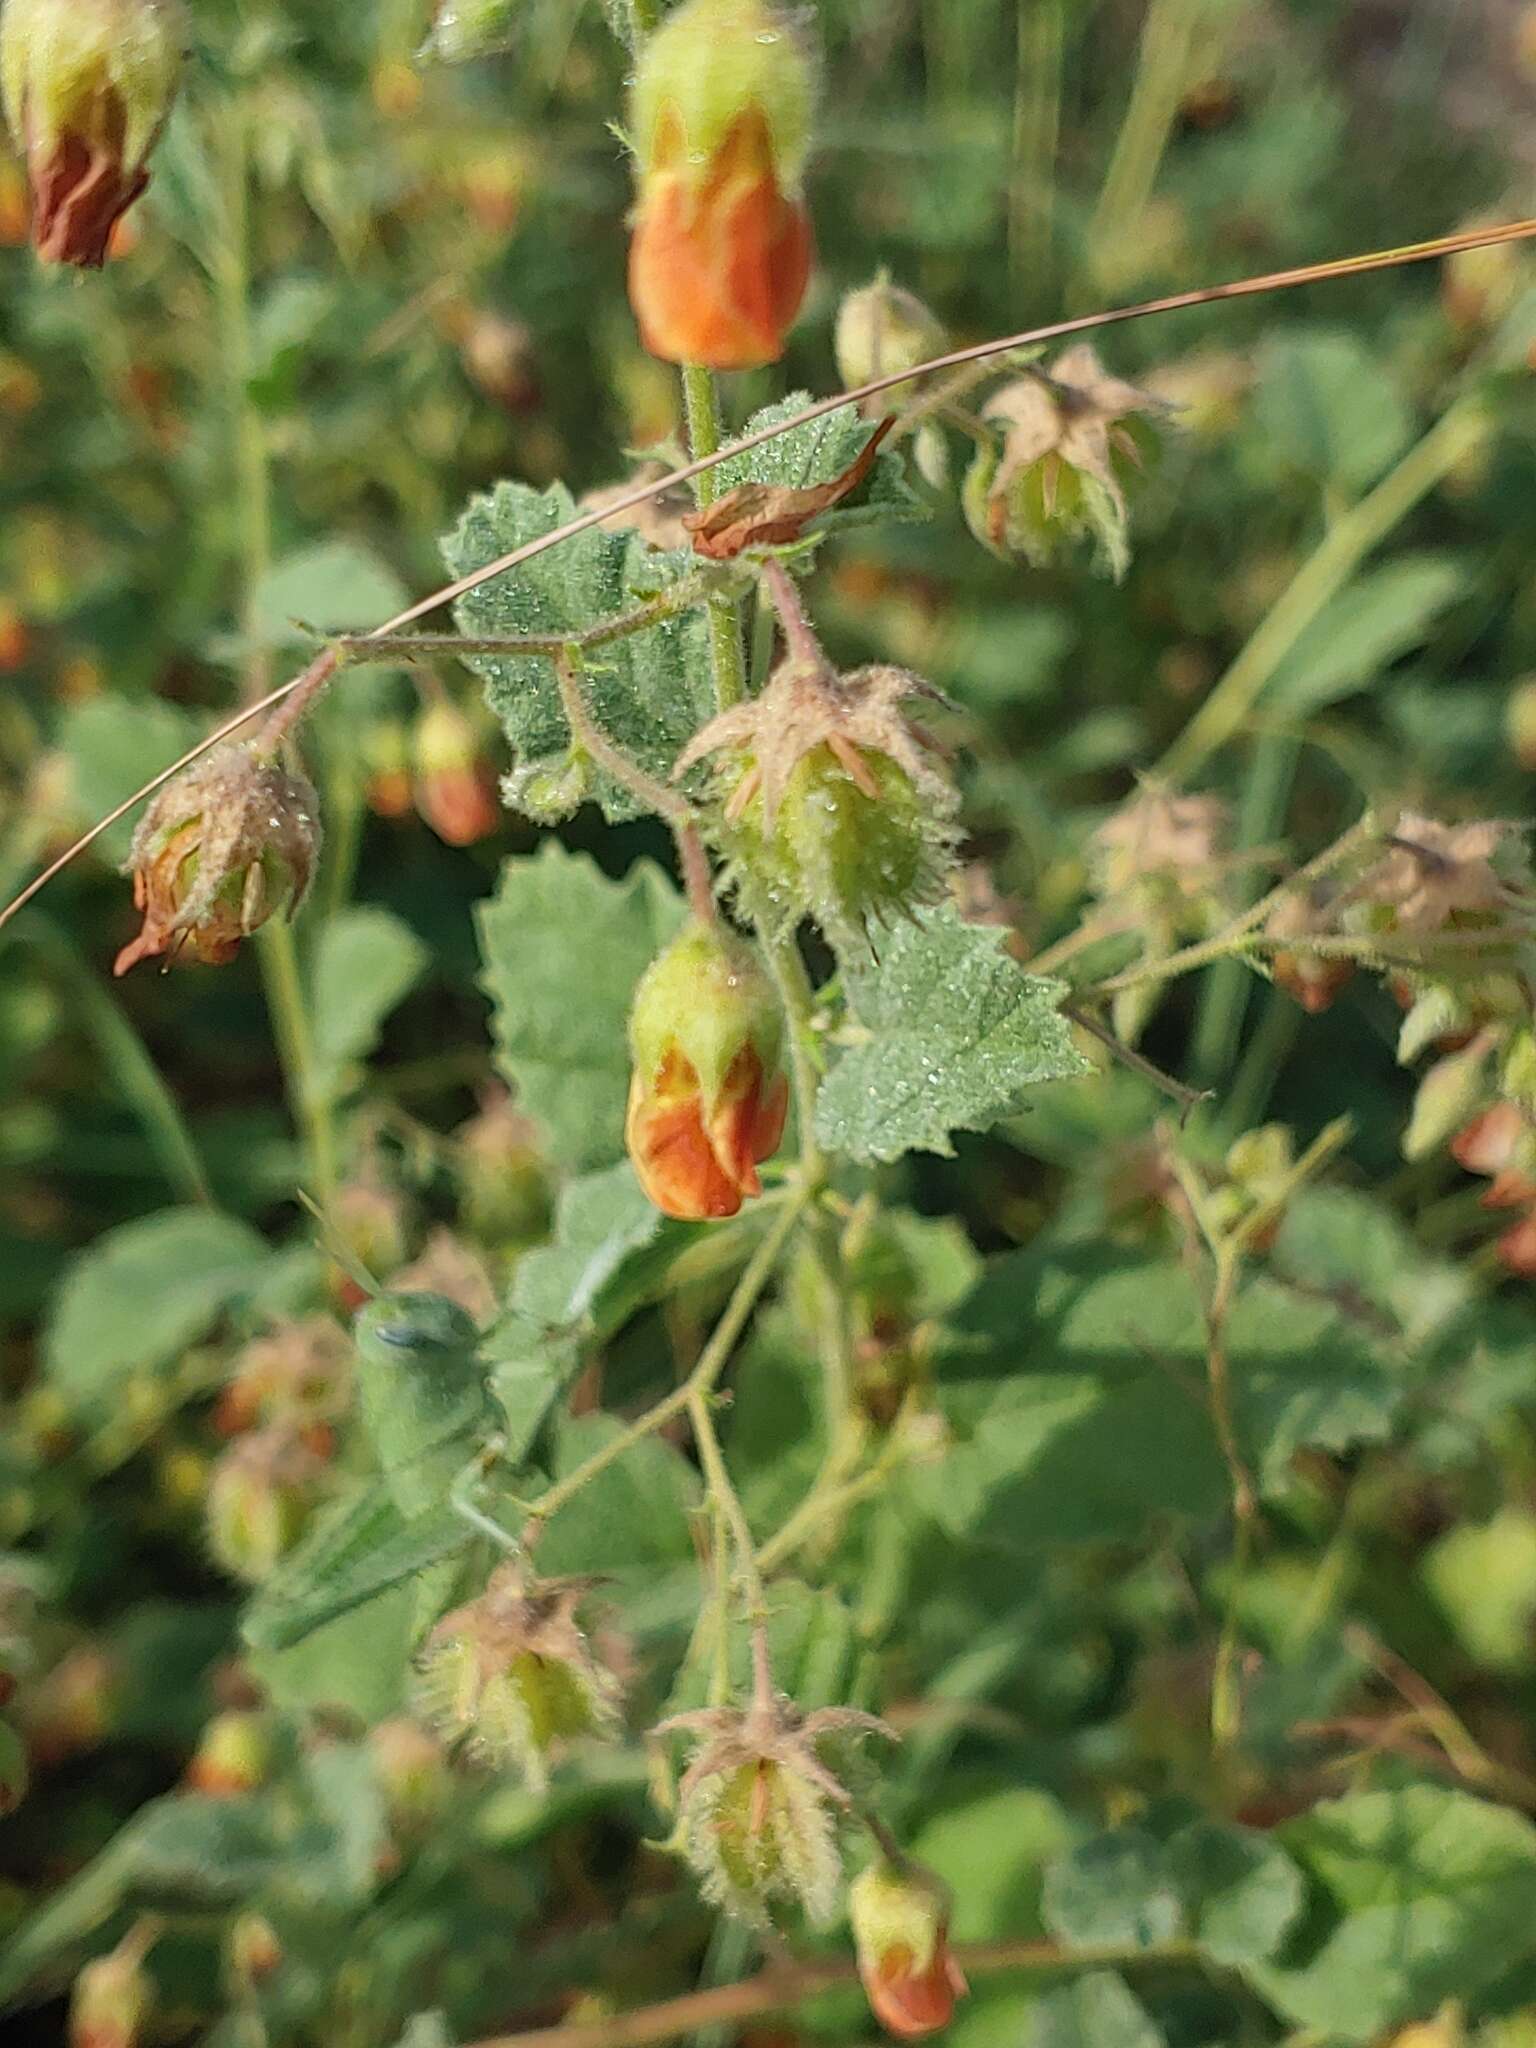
1068, 448
832, 798
229, 841
758, 1806
513, 1675
1176, 843
1434, 875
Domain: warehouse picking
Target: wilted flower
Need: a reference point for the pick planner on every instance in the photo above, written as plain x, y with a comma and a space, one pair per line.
513, 1675
229, 841
1312, 979
445, 1265
455, 785
832, 794
1175, 843
758, 1806
1068, 447
1434, 875
260, 1497
298, 1372
707, 1101
87, 86
882, 328
900, 1916
720, 125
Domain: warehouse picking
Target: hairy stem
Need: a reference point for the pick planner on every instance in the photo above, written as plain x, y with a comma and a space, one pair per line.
727, 1504
727, 659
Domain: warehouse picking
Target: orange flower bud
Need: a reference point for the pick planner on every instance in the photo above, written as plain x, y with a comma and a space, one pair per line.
233, 1755
722, 244
901, 1930
455, 788
87, 87
707, 1104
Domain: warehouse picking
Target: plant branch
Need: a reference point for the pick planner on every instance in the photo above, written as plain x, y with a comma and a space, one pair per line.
369, 647
702, 1380
1270, 281
780, 1989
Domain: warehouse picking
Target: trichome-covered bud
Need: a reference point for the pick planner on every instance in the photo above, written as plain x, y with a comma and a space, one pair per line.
833, 802
900, 1917
260, 1497
1071, 440
513, 1675
111, 1997
720, 123
87, 86
229, 841
455, 785
758, 1807
880, 329
707, 1099
233, 1755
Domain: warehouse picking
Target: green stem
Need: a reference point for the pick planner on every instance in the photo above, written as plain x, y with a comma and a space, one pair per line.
727, 1503
1162, 74
1261, 817
1320, 579
705, 1375
701, 399
1036, 136
126, 1058
276, 948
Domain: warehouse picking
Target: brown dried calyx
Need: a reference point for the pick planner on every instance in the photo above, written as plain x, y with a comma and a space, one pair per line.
1434, 874
229, 841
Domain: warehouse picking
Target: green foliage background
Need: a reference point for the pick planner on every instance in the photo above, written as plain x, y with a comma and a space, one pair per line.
1038, 1607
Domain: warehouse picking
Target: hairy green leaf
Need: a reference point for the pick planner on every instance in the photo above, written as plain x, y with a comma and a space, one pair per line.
563, 1042
366, 962
141, 1294
957, 1032
1097, 2011
649, 692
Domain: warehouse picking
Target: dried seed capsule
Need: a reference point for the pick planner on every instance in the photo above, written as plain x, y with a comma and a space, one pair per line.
229, 841
720, 123
87, 87
1069, 447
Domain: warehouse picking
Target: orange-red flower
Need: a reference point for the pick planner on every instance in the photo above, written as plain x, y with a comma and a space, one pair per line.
707, 1103
718, 267
900, 1921
87, 86
722, 241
